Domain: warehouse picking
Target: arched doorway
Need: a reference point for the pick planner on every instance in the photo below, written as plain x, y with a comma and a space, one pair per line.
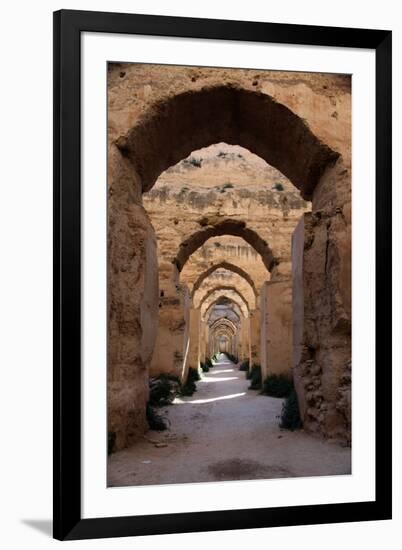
168, 131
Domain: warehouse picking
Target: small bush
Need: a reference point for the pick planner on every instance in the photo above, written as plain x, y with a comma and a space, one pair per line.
231, 357
278, 187
193, 375
204, 367
277, 385
163, 390
155, 421
215, 357
245, 365
227, 185
290, 415
209, 363
195, 162
190, 386
255, 377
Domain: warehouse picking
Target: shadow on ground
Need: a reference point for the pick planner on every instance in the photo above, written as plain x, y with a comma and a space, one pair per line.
44, 526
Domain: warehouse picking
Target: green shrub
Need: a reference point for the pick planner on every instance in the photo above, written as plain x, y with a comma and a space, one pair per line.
278, 187
290, 415
155, 421
214, 358
255, 377
190, 386
209, 363
195, 162
163, 390
277, 385
231, 357
193, 375
204, 366
227, 185
245, 365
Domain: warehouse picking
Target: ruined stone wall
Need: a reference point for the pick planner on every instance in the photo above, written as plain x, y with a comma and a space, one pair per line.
323, 325
229, 252
222, 279
132, 304
276, 328
230, 183
220, 182
255, 337
158, 115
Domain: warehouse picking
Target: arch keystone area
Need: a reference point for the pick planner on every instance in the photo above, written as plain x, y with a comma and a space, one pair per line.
176, 125
229, 267
225, 227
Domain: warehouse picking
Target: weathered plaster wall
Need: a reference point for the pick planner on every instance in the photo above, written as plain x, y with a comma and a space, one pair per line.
276, 328
157, 117
255, 337
322, 367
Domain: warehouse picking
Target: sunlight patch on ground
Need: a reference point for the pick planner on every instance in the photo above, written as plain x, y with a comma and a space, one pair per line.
224, 379
198, 401
220, 371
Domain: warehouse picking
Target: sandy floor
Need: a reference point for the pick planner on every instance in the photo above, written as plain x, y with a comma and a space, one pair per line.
225, 432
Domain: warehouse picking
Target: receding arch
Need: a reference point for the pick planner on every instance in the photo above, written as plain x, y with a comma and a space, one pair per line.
232, 311
223, 288
215, 298
213, 228
176, 125
229, 267
235, 281
223, 322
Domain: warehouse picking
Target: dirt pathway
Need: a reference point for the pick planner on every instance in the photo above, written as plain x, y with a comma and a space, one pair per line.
223, 432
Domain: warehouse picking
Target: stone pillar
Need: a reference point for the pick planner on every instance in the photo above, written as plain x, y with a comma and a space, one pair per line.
322, 265
193, 342
298, 312
276, 328
202, 350
245, 337
195, 328
132, 302
255, 337
170, 345
239, 342
263, 331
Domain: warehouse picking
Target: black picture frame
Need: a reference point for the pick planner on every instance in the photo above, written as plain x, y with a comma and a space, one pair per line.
68, 26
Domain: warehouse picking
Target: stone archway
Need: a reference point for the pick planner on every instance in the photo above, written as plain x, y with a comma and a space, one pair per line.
213, 227
226, 279
178, 312
229, 267
229, 293
221, 289
227, 328
222, 309
170, 128
184, 122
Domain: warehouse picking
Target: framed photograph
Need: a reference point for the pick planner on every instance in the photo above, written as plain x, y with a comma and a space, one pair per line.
222, 275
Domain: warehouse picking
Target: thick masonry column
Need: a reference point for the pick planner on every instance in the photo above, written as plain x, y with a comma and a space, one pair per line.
255, 337
322, 265
132, 302
202, 350
263, 331
298, 313
194, 341
245, 335
239, 341
170, 346
276, 328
